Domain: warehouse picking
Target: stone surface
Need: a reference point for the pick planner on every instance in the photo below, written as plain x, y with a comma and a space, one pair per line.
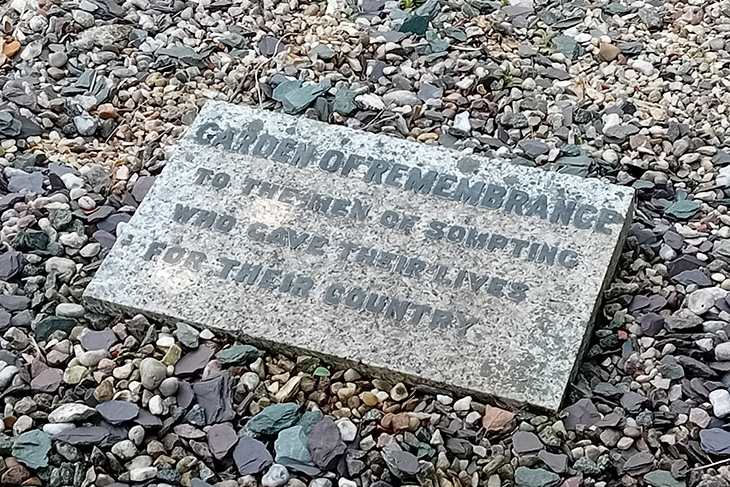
494, 297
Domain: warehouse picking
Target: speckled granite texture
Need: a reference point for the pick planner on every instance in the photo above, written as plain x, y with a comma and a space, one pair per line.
450, 289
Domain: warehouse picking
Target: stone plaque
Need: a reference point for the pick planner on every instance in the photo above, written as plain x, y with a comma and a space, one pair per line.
457, 270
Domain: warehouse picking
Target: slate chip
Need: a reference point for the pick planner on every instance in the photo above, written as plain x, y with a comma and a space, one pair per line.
11, 263
47, 381
12, 302
526, 442
274, 418
238, 354
98, 340
639, 463
582, 412
291, 447
214, 395
194, 361
715, 441
401, 463
557, 462
221, 438
31, 448
83, 435
30, 183
251, 456
325, 443
117, 412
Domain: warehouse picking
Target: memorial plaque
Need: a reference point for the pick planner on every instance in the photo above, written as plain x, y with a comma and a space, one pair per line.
465, 272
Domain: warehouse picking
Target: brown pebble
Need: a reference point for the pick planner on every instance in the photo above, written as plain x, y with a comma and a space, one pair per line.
106, 111
401, 422
11, 48
15, 475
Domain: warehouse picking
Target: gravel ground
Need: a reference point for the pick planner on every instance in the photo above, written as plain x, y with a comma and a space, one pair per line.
95, 94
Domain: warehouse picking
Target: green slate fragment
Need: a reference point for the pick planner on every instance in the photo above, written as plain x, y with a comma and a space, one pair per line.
456, 33
31, 448
323, 51
606, 389
274, 418
683, 209
183, 53
239, 354
535, 477
321, 372
291, 447
309, 419
568, 47
435, 45
344, 101
418, 22
50, 324
297, 98
663, 478
642, 184
29, 240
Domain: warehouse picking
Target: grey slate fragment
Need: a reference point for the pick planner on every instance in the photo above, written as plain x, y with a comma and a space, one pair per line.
692, 276
187, 335
29, 183
141, 187
184, 54
400, 463
582, 412
715, 441
632, 401
221, 438
557, 462
47, 381
214, 395
11, 263
271, 45
640, 463
117, 412
568, 47
325, 443
526, 442
83, 435
251, 456
194, 361
12, 302
98, 340
533, 147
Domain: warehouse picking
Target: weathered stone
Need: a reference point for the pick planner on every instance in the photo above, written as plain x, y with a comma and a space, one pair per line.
494, 251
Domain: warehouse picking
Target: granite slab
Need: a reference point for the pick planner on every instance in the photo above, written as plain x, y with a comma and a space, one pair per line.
422, 263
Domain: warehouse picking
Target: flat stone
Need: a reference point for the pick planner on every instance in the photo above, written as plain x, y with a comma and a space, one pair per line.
535, 477
194, 361
83, 435
274, 418
98, 340
221, 438
239, 354
31, 448
47, 381
117, 412
251, 456
325, 443
297, 280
